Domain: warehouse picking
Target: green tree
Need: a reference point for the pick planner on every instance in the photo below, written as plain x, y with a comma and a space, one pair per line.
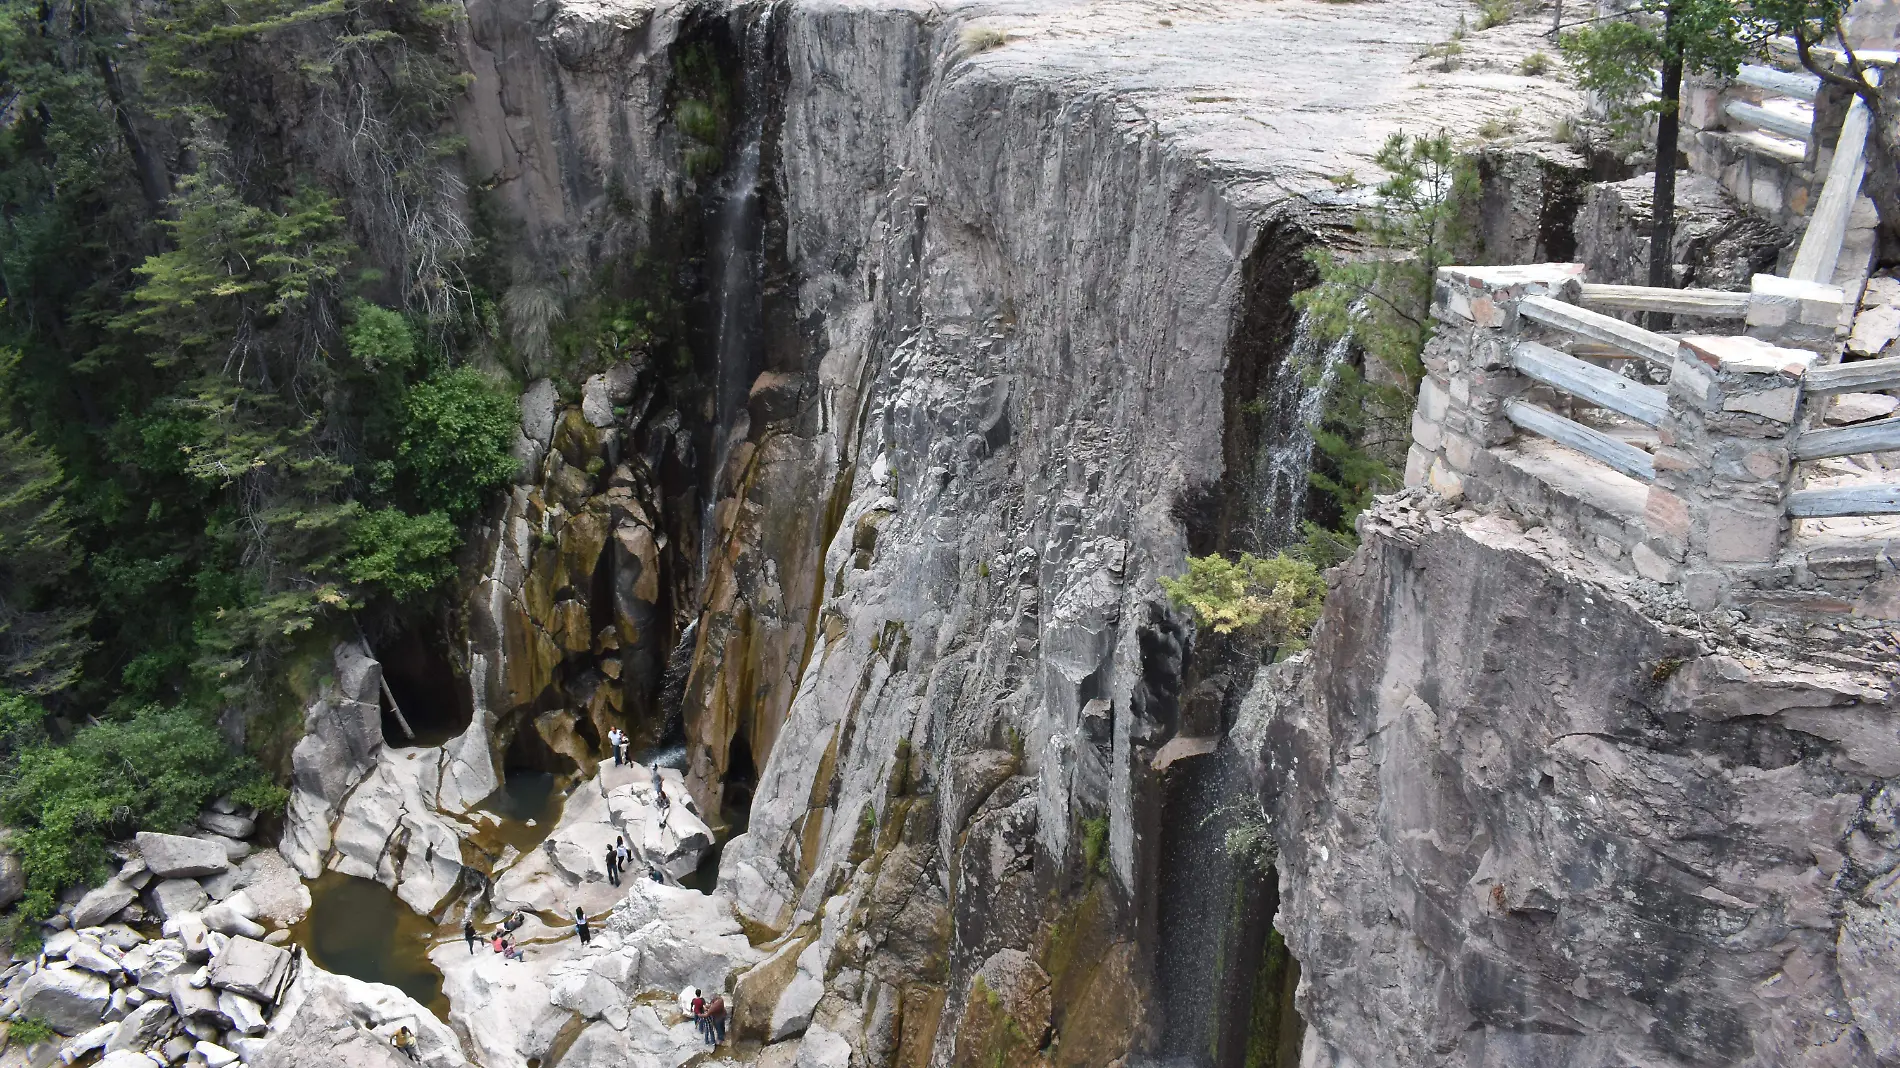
457, 441
1276, 598
405, 555
1818, 30
1665, 38
41, 640
1381, 298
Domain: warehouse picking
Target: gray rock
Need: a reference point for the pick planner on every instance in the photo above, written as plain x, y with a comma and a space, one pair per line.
119, 936
124, 1059
223, 885
88, 955
246, 1014
190, 1000
142, 1026
135, 874
172, 898
59, 943
215, 1056
234, 849
12, 879
102, 904
229, 825
89, 1042
155, 964
251, 968
176, 1048
173, 856
71, 1000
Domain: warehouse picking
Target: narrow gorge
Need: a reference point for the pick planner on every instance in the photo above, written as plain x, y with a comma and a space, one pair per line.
921, 341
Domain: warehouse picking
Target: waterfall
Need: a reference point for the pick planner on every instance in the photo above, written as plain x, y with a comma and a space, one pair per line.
738, 248
1294, 398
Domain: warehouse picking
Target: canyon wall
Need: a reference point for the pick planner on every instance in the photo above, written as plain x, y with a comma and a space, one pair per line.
1015, 287
1533, 811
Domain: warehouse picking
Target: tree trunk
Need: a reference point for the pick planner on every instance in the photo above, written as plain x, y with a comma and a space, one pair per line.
1663, 203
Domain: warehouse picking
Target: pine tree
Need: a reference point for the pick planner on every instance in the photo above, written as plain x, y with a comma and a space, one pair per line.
41, 640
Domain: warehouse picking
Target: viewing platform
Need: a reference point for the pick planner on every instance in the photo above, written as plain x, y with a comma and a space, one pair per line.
1737, 461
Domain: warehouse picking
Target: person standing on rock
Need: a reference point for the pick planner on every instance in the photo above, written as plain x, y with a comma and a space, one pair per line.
468, 934
613, 866
621, 755
623, 856
580, 926
405, 1040
716, 1020
699, 1012
615, 740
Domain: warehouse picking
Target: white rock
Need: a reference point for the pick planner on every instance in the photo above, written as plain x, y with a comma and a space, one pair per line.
792, 1015
125, 1058
281, 897
246, 1014
251, 968
215, 1056
88, 1042
225, 919
823, 1049
1860, 407
172, 856
88, 955
56, 946
190, 1000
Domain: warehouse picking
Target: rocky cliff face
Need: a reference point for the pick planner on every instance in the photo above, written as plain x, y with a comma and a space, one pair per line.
1018, 277
1532, 812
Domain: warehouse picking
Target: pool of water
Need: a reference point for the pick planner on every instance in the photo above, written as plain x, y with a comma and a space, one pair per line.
363, 930
528, 804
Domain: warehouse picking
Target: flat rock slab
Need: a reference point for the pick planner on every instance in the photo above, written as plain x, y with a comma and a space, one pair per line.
251, 968
173, 856
102, 904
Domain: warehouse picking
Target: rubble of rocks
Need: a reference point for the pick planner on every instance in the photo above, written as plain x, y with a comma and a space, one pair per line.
175, 960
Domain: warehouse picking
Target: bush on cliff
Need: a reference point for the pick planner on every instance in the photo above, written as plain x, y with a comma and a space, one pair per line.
1275, 599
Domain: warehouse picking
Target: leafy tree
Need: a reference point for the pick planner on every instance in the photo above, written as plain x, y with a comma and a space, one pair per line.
406, 555
40, 640
1275, 598
1818, 29
457, 440
1616, 59
1381, 298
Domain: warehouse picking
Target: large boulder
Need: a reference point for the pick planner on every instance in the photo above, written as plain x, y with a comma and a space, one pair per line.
230, 825
102, 904
281, 897
252, 968
70, 1000
332, 1021
142, 1026
172, 898
173, 856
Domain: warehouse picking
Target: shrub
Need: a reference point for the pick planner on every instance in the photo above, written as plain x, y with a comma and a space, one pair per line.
380, 338
456, 440
1095, 846
27, 1030
976, 39
1495, 12
1534, 64
407, 555
1275, 598
152, 770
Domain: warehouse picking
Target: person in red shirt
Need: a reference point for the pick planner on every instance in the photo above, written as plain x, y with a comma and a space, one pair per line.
699, 1013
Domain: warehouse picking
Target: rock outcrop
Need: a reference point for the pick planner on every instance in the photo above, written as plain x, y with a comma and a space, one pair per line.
1533, 811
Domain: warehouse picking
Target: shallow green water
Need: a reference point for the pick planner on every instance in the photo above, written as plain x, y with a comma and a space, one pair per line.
363, 930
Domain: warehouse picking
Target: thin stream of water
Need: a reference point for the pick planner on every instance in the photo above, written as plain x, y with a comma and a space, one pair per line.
1295, 399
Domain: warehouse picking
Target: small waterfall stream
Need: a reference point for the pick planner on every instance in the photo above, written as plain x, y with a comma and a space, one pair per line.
1294, 400
738, 251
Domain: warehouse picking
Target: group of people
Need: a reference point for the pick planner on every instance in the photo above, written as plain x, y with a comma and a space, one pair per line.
710, 1017
618, 741
503, 941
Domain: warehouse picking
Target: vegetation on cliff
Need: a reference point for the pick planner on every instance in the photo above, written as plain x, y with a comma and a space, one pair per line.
239, 397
